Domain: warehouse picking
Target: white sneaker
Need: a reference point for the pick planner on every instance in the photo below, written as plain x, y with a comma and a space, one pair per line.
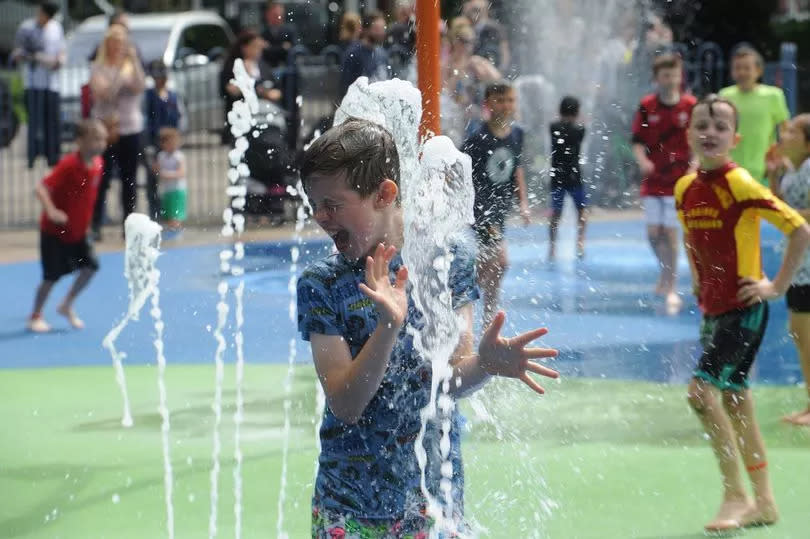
38, 324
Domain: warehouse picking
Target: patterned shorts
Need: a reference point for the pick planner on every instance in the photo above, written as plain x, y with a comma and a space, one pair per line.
330, 525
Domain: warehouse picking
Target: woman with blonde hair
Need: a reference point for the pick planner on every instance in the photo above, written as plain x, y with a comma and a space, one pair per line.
117, 85
464, 76
351, 25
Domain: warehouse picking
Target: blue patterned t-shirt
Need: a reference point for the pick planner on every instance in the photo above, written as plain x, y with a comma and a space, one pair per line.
369, 470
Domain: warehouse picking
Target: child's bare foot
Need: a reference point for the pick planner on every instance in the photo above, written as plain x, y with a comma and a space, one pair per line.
730, 515
37, 324
673, 303
764, 514
68, 313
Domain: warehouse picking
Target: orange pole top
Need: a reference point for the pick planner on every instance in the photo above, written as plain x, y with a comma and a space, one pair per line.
428, 46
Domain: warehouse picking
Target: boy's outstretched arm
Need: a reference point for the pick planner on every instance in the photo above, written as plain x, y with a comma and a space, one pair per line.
350, 383
502, 356
752, 291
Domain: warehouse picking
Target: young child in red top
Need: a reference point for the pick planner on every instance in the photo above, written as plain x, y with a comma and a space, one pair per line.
67, 195
720, 207
662, 153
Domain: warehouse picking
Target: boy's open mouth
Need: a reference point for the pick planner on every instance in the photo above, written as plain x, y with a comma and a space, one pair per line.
341, 239
708, 145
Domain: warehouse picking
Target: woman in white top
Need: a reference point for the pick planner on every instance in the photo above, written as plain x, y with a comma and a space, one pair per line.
117, 85
792, 163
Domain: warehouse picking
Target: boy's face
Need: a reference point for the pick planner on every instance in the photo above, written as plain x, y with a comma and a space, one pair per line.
502, 105
745, 71
171, 143
354, 223
712, 133
792, 140
669, 79
93, 143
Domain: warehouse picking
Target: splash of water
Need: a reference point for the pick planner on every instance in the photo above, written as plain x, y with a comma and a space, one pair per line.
141, 251
140, 257
439, 205
437, 202
241, 121
302, 212
238, 415
219, 374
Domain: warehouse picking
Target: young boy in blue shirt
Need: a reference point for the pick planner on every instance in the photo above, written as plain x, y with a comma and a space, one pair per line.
355, 309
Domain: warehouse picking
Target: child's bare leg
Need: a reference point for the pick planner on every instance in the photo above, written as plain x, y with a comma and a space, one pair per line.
740, 408
553, 225
41, 296
491, 269
655, 235
582, 217
736, 503
669, 269
800, 331
66, 308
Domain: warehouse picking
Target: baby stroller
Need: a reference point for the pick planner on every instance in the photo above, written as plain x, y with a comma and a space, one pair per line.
271, 169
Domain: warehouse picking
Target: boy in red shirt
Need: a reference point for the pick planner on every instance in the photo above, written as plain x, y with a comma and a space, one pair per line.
720, 207
67, 195
662, 153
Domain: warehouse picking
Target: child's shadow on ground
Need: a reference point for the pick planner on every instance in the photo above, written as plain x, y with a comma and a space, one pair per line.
22, 333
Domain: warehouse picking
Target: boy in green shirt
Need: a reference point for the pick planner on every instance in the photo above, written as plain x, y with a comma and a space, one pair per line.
761, 110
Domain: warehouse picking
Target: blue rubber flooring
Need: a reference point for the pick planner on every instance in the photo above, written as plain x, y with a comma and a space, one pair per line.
600, 312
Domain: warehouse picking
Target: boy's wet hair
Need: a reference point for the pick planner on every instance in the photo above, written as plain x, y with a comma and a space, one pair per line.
87, 125
746, 49
666, 60
713, 99
498, 87
569, 106
49, 8
362, 151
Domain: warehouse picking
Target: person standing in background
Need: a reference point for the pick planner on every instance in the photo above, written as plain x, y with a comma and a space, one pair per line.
279, 35
762, 110
39, 46
117, 83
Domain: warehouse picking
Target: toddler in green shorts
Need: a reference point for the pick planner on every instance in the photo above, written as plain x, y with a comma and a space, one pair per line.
170, 167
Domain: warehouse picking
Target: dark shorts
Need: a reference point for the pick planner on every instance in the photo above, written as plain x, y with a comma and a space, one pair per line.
730, 344
798, 298
577, 194
60, 258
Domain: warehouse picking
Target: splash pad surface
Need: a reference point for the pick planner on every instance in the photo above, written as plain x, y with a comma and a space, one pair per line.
611, 451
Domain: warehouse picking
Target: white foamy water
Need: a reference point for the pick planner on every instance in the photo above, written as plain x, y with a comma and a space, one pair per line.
437, 203
140, 269
241, 121
397, 106
219, 374
141, 252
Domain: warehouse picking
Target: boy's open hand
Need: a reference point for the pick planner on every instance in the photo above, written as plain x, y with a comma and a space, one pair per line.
390, 298
510, 357
752, 292
57, 217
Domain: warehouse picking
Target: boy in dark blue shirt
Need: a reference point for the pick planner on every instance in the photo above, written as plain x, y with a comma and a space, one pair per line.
496, 149
566, 138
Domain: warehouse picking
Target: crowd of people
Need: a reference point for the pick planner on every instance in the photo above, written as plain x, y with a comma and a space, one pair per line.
711, 169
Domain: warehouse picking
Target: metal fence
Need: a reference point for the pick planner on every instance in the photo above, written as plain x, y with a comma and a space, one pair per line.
311, 89
310, 86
